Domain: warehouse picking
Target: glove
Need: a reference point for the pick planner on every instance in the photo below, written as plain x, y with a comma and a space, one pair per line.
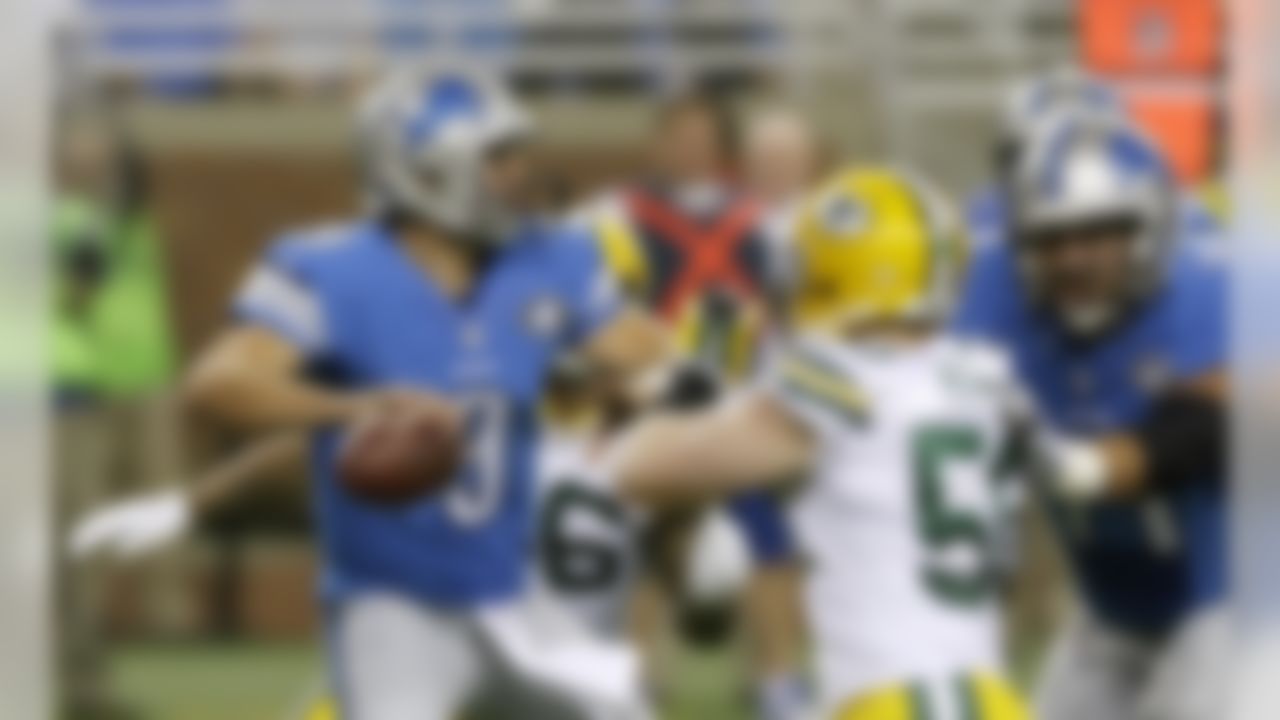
1076, 469
133, 528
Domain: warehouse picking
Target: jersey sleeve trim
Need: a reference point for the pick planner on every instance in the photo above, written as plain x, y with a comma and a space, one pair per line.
805, 380
273, 299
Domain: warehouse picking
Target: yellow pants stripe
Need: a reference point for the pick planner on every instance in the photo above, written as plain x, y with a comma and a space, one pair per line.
323, 709
998, 699
976, 697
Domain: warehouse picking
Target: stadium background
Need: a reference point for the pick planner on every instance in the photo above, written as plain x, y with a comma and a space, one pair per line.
241, 111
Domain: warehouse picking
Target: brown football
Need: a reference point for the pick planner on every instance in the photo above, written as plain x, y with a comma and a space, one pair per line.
398, 455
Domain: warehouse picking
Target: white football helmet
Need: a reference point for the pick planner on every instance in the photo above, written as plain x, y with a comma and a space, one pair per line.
424, 138
1081, 171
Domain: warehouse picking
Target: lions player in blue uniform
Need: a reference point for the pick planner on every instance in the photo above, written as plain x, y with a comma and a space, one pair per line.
446, 296
1117, 326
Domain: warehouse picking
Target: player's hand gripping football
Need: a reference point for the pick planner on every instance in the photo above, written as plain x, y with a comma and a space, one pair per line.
402, 445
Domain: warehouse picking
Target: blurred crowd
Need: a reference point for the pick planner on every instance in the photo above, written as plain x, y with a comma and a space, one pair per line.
219, 48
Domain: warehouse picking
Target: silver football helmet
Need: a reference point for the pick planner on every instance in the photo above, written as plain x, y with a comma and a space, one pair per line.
424, 140
1081, 172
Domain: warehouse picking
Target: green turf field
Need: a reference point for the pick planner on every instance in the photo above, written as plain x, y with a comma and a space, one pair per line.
214, 681
248, 681
243, 681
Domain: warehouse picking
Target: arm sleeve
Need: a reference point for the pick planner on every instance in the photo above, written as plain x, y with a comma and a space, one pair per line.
763, 523
280, 295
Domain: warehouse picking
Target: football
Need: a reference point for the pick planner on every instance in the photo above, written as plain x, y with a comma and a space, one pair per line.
398, 455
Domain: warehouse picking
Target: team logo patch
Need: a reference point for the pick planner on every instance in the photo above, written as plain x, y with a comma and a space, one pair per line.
844, 215
546, 317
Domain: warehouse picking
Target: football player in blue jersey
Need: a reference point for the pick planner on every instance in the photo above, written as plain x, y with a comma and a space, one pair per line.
1118, 328
449, 298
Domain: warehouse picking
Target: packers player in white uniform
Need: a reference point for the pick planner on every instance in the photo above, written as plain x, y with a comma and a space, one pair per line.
592, 547
901, 432
586, 556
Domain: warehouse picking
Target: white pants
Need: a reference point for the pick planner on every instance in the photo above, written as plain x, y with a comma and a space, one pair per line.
1099, 673
393, 658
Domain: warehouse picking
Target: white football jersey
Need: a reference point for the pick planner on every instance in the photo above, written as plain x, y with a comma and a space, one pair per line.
586, 550
898, 518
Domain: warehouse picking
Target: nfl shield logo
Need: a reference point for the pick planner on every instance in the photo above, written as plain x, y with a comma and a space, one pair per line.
545, 317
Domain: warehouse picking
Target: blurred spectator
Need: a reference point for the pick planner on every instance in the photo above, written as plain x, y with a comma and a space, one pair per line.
782, 158
179, 42
689, 241
781, 161
113, 297
112, 363
684, 205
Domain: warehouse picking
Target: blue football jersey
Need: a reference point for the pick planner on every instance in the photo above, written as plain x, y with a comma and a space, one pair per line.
366, 316
1145, 563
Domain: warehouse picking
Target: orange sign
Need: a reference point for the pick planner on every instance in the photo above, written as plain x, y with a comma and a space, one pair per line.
1152, 36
